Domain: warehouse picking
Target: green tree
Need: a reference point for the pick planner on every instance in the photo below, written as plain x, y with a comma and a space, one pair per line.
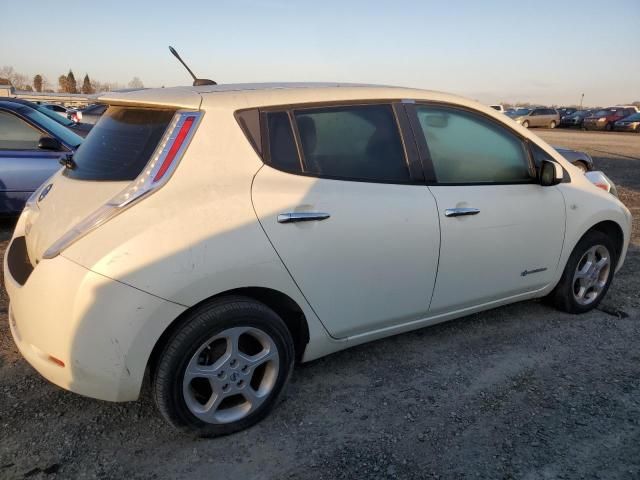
37, 83
86, 85
71, 83
62, 84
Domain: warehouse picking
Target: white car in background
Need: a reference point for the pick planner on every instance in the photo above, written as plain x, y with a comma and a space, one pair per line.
212, 236
499, 108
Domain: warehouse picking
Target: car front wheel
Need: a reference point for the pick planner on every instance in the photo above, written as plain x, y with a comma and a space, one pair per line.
587, 275
525, 124
552, 124
224, 368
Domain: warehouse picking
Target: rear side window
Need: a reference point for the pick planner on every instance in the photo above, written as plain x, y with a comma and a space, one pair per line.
16, 134
121, 144
353, 143
467, 148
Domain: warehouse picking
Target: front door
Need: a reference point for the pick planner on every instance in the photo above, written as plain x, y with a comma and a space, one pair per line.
23, 167
357, 232
501, 232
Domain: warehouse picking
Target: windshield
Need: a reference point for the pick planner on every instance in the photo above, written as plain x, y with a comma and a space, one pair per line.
63, 133
603, 113
522, 111
54, 116
634, 118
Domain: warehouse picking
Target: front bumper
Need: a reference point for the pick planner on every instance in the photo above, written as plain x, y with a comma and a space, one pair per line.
627, 128
595, 125
83, 331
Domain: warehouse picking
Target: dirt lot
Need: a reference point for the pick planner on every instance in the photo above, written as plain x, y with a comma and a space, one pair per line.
518, 392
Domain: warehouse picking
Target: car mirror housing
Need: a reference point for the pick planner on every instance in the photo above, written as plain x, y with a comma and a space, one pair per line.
49, 143
551, 173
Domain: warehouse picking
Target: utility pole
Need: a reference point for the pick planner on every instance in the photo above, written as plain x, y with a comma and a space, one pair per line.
581, 99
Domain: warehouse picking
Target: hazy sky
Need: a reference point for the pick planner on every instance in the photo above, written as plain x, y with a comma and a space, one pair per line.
540, 51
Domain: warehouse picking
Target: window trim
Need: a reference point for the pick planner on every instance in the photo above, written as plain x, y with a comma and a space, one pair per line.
427, 161
407, 139
35, 127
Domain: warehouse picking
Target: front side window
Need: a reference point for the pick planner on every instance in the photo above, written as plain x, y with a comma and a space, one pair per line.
16, 134
360, 142
467, 148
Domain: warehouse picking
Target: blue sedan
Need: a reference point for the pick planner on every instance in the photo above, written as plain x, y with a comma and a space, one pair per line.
31, 145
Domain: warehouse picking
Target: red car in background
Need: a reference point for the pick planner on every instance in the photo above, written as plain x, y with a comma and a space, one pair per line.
605, 119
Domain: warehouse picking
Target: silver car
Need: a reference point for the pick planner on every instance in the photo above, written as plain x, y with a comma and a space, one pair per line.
536, 117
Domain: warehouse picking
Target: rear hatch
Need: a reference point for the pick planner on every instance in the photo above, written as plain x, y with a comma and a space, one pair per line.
112, 156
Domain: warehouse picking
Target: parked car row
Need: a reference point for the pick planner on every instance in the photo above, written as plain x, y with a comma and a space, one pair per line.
613, 118
623, 118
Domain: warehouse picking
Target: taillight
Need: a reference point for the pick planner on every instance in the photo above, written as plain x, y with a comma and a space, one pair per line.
175, 147
156, 173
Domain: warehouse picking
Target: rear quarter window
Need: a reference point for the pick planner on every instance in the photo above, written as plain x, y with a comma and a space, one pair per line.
121, 144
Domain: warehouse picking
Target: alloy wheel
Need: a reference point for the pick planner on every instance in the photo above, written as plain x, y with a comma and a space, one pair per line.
591, 275
231, 375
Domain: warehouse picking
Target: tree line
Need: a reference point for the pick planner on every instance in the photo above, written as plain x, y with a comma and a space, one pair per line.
66, 83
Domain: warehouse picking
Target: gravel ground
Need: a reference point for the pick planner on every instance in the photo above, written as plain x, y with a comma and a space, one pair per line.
521, 391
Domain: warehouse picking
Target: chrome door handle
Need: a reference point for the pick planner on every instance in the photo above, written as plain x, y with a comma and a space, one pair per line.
292, 217
459, 212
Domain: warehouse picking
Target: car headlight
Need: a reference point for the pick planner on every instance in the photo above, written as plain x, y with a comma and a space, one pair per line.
602, 119
600, 180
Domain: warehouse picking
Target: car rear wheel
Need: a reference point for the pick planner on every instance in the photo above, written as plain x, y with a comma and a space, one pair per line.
587, 275
224, 368
608, 127
552, 124
525, 124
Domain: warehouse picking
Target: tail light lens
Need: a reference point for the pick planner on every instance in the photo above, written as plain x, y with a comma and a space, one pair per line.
156, 173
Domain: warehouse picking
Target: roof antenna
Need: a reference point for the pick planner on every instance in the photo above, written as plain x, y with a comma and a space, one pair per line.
196, 81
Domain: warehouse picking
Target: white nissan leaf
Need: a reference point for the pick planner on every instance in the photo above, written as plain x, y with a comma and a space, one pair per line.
212, 236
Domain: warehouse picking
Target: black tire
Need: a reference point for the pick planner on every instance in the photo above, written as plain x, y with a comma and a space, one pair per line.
562, 295
525, 124
608, 127
195, 329
582, 166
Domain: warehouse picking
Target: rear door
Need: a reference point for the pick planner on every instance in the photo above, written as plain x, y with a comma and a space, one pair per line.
23, 166
501, 232
343, 201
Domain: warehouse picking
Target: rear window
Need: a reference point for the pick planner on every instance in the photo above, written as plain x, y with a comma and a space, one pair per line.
121, 144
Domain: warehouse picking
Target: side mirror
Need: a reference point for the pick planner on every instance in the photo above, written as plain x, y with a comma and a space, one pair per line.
48, 143
551, 173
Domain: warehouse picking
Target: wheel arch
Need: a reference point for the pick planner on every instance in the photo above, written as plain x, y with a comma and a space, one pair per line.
611, 229
281, 303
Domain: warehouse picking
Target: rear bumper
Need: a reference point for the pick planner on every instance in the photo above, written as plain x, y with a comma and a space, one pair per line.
83, 331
